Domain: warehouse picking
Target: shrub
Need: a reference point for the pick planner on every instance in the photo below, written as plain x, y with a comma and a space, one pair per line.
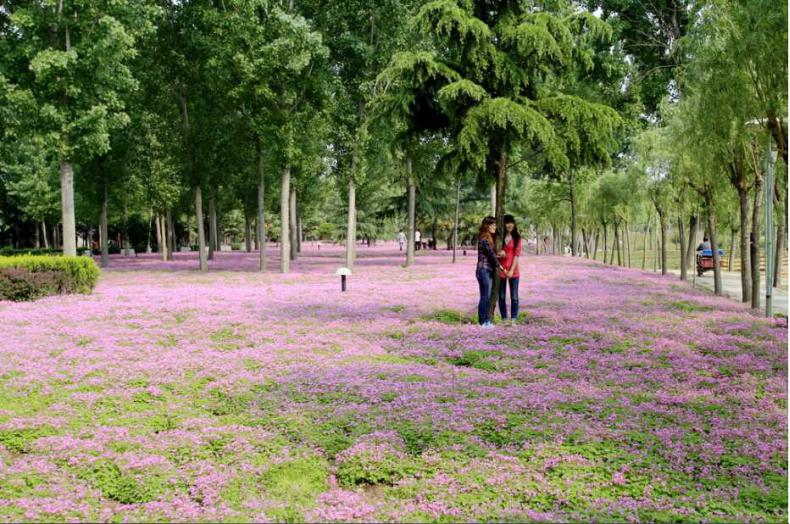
29, 277
20, 284
10, 251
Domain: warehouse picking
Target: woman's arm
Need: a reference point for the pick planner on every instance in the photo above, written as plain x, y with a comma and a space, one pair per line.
516, 253
489, 253
513, 267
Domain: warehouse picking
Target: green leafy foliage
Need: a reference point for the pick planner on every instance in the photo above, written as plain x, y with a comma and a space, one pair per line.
29, 277
118, 485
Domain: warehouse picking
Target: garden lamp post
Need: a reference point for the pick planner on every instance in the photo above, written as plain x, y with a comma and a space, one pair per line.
343, 272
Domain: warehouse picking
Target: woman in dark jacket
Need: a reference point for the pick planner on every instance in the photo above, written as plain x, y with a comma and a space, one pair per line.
487, 263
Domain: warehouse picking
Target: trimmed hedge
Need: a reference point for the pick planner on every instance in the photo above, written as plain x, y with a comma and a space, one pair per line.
31, 277
10, 251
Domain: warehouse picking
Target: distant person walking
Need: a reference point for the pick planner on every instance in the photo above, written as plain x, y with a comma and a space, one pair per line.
401, 240
487, 263
509, 274
417, 238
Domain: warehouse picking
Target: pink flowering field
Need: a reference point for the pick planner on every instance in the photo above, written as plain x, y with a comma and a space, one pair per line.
239, 396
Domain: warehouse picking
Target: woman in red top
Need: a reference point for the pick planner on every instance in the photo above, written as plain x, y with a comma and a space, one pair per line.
509, 273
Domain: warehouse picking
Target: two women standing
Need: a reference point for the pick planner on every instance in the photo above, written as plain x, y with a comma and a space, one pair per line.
504, 266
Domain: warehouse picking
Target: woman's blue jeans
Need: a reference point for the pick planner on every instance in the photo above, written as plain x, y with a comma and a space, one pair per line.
513, 297
485, 279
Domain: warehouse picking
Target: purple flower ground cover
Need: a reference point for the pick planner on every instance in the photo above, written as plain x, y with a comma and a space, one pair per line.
239, 396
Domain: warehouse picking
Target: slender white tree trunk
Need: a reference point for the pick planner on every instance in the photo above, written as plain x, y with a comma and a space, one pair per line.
161, 234
247, 234
67, 207
455, 220
260, 223
201, 232
44, 232
351, 224
285, 194
412, 210
212, 227
293, 240
493, 199
103, 226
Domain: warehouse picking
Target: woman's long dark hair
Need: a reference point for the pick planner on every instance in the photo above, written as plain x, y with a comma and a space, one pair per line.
508, 219
484, 233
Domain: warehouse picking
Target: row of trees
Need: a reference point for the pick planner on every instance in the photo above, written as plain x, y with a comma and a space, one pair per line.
187, 115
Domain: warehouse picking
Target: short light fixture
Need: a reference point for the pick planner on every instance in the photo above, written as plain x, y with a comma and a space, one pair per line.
343, 272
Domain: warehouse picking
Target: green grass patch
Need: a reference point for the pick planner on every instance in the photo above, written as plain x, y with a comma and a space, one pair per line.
21, 485
226, 338
687, 306
297, 483
20, 440
478, 359
513, 431
448, 316
395, 309
121, 486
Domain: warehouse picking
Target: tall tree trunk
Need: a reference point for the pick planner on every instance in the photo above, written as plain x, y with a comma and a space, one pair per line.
778, 131
617, 245
654, 247
682, 240
663, 222
260, 222
555, 247
605, 240
615, 248
745, 251
126, 237
212, 226
692, 241
501, 187
412, 210
595, 245
455, 219
190, 165
285, 234
717, 289
247, 233
171, 234
585, 243
201, 231
755, 239
493, 199
574, 251
628, 244
351, 225
67, 207
44, 233
644, 245
293, 239
38, 236
731, 254
159, 236
103, 226
299, 232
780, 233
148, 232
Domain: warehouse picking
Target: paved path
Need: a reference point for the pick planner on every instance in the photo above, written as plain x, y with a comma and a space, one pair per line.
731, 284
